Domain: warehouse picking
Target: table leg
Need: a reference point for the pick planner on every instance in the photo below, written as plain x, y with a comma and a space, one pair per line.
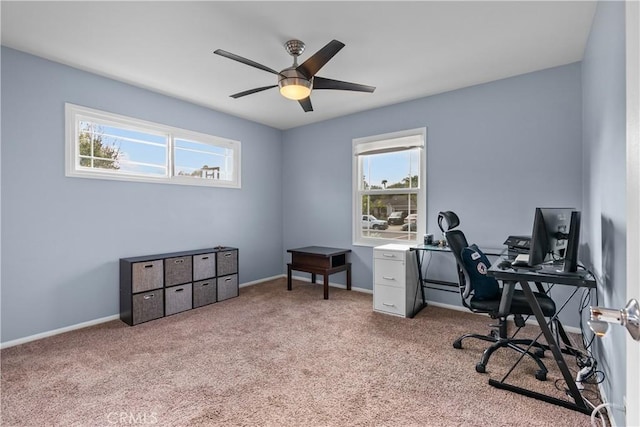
313, 277
326, 286
349, 277
288, 277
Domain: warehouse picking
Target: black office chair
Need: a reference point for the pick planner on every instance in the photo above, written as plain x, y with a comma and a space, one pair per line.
519, 306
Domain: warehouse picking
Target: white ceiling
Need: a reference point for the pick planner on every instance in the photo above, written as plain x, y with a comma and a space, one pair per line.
407, 50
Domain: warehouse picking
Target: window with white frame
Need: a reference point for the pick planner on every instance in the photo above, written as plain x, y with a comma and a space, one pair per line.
389, 188
110, 146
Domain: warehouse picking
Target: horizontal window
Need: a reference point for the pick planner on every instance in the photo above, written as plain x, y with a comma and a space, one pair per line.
109, 146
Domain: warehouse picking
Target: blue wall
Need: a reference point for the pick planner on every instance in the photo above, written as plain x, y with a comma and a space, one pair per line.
62, 237
495, 152
604, 130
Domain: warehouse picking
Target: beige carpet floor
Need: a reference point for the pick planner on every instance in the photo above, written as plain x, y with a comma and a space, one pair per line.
273, 358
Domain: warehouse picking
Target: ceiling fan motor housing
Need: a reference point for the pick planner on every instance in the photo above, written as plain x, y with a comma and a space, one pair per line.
293, 84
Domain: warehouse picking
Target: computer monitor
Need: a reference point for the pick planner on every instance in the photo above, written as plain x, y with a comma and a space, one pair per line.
552, 238
573, 241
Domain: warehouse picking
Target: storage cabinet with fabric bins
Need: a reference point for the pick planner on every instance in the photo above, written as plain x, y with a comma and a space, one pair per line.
155, 286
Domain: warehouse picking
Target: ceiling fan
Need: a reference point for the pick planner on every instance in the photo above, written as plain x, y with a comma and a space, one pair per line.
297, 81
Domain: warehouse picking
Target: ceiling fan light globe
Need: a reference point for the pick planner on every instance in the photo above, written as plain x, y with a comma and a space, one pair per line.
295, 88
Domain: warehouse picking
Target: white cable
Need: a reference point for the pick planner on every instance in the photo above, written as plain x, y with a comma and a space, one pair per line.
595, 411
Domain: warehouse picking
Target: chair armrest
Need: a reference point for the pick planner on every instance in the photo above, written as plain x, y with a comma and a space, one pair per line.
505, 301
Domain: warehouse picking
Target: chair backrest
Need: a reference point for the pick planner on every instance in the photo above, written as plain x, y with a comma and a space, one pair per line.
448, 220
457, 242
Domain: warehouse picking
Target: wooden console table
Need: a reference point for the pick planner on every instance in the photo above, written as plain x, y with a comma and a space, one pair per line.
319, 260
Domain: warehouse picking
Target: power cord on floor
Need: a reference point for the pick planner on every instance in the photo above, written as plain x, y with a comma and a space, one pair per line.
596, 410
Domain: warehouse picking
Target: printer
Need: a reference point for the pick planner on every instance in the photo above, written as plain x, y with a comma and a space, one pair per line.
517, 245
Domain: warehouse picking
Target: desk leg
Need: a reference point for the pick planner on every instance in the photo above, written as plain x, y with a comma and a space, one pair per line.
326, 286
288, 277
579, 404
313, 277
349, 277
420, 281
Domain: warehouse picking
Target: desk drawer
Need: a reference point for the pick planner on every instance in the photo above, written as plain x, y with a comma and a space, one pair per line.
390, 273
389, 299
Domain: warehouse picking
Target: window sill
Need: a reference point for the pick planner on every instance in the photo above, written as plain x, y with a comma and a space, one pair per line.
372, 243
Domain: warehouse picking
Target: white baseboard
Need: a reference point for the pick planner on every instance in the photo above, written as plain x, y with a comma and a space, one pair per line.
257, 282
610, 405
334, 285
305, 279
58, 331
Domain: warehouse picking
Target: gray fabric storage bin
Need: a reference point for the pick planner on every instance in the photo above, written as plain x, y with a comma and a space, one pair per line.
148, 306
146, 276
178, 298
204, 266
204, 292
177, 270
227, 287
227, 262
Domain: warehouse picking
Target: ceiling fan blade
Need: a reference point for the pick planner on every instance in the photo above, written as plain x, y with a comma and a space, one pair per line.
250, 91
322, 83
244, 60
312, 65
306, 104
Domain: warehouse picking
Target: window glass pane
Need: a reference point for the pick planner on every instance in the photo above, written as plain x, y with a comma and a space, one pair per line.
108, 147
205, 161
390, 170
389, 216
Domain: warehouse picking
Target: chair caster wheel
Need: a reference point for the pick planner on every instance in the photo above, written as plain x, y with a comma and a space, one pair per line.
539, 353
481, 368
541, 375
457, 344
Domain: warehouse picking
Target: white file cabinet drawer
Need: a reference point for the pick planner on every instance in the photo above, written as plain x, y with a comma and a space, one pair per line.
395, 280
391, 252
389, 300
390, 273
